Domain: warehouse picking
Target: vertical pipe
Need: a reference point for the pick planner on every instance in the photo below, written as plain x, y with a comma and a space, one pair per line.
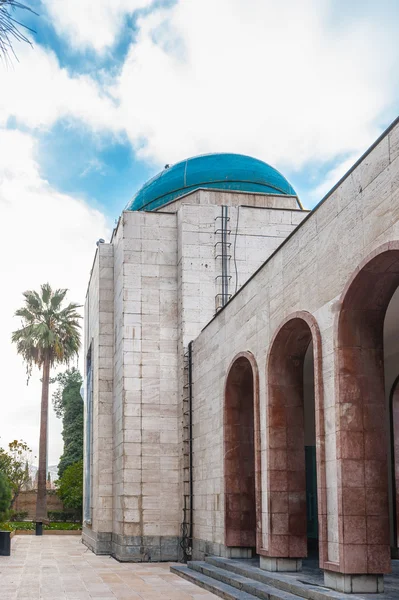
190, 409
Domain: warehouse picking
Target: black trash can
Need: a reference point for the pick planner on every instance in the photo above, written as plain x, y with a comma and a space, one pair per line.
5, 543
39, 528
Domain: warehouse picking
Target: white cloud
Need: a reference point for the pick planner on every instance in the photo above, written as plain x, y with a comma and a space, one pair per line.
332, 177
38, 92
94, 165
91, 24
272, 79
278, 80
46, 236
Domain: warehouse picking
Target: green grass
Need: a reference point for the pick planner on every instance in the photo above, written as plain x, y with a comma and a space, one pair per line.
30, 526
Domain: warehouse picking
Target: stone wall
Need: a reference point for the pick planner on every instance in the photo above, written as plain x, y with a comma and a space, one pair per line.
26, 502
308, 274
99, 341
152, 290
145, 389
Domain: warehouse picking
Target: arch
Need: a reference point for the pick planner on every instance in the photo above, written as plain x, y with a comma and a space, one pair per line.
363, 520
242, 453
285, 427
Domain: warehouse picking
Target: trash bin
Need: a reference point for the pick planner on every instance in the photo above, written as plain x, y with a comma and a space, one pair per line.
5, 543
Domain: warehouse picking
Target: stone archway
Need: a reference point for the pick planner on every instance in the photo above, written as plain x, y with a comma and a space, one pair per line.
363, 519
287, 540
240, 454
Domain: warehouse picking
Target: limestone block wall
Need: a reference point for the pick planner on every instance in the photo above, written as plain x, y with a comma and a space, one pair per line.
255, 235
146, 495
99, 342
253, 238
152, 290
307, 273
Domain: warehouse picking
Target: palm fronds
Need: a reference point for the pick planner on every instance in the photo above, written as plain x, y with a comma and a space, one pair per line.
10, 28
48, 330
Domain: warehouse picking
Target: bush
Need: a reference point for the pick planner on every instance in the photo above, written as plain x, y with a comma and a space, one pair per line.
18, 515
64, 516
21, 525
70, 486
64, 526
30, 526
5, 496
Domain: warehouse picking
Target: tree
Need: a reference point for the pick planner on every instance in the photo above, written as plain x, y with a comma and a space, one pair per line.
15, 465
28, 479
70, 486
68, 406
49, 335
10, 28
5, 496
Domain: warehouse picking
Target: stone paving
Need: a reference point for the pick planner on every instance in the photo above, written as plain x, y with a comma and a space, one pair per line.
62, 568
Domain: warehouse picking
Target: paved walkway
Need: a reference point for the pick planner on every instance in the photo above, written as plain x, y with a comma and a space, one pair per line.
61, 568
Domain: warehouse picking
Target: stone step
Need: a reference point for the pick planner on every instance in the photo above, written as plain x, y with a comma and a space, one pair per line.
254, 588
281, 581
299, 585
218, 588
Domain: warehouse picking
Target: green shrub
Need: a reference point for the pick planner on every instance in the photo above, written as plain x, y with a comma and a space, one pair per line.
18, 515
5, 496
21, 525
30, 526
63, 526
70, 486
64, 516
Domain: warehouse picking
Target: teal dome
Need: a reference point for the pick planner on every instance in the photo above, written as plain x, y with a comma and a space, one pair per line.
216, 171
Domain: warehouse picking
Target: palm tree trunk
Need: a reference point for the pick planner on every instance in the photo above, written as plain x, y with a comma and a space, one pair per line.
41, 502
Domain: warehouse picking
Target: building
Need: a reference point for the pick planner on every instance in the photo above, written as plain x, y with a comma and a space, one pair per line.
242, 361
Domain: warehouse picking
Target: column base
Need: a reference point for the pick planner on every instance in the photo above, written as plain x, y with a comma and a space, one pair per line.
354, 584
280, 564
236, 552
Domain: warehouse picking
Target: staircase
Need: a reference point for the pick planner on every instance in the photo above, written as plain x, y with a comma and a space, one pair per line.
234, 579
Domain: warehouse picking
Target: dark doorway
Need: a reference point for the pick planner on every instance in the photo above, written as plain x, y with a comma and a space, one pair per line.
394, 482
312, 527
239, 456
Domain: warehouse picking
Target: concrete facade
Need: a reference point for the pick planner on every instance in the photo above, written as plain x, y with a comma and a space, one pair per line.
152, 290
313, 292
306, 280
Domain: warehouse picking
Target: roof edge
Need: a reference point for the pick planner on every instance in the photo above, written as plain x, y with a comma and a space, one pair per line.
383, 135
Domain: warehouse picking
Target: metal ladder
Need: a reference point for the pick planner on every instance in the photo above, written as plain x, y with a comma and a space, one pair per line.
187, 524
222, 253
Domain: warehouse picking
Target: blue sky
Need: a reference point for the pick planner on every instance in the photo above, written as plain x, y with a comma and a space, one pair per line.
106, 169
112, 90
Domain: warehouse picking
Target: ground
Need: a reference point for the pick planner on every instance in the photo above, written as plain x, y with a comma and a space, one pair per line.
61, 568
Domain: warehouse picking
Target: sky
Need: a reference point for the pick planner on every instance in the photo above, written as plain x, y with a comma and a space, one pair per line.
109, 91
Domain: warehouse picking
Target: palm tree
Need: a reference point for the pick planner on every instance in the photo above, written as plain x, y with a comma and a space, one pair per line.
49, 335
10, 28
